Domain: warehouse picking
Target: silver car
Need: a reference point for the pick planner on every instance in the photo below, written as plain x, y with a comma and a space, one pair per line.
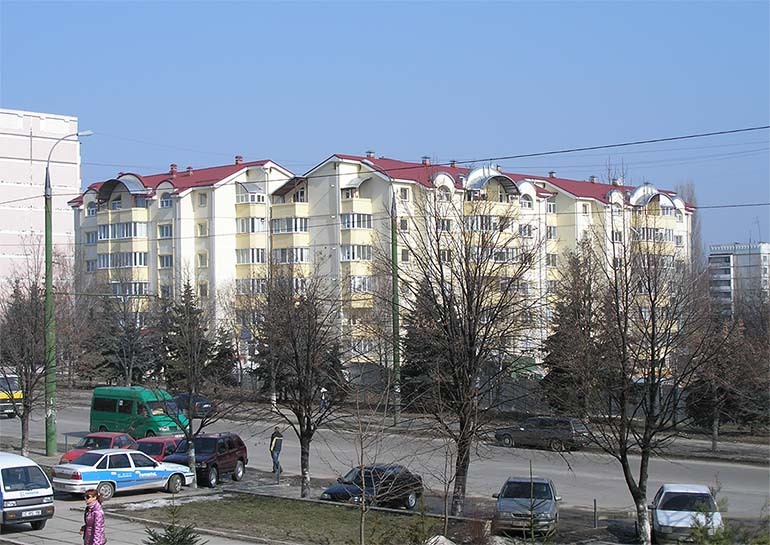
526, 504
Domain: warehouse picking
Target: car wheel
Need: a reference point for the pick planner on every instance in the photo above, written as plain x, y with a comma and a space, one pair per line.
175, 483
507, 441
410, 502
240, 469
556, 445
212, 477
149, 433
102, 428
38, 524
107, 490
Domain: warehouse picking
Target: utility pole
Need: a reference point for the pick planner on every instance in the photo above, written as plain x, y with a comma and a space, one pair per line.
395, 310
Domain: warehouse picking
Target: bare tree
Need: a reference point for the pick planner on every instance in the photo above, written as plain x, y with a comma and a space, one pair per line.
468, 301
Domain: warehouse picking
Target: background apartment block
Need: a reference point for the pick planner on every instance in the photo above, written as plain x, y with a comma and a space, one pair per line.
26, 139
738, 271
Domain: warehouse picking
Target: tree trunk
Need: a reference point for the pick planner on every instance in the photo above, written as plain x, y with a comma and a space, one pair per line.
643, 521
362, 523
461, 474
25, 433
304, 464
715, 418
191, 461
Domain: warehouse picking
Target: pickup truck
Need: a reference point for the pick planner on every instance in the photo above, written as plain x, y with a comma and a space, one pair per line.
555, 433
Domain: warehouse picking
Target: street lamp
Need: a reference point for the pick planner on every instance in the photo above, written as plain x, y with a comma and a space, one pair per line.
50, 321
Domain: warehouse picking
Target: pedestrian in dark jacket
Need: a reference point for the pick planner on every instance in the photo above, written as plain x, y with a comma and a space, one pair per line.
276, 442
93, 529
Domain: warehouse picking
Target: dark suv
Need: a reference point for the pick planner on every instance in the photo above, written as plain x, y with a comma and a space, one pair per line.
216, 455
555, 433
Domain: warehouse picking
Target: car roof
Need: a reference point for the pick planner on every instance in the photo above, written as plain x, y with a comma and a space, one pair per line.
157, 440
113, 451
697, 488
105, 434
527, 479
8, 459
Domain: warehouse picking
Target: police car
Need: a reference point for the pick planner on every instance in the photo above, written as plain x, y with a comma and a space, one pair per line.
116, 470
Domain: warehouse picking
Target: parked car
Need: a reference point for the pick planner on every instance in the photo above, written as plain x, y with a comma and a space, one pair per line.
142, 412
116, 470
216, 455
678, 508
26, 492
557, 434
98, 440
526, 504
201, 406
158, 448
391, 485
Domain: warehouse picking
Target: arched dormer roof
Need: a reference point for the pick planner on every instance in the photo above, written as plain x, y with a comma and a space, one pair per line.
644, 194
133, 184
480, 177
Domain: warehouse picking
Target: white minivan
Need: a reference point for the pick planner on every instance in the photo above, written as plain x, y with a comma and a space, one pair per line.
26, 494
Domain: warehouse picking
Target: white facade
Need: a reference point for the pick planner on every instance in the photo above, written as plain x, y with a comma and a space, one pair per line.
738, 271
26, 139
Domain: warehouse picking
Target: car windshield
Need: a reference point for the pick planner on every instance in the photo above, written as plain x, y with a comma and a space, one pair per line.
151, 449
166, 406
579, 426
203, 445
527, 490
24, 478
687, 501
370, 476
9, 384
94, 442
88, 459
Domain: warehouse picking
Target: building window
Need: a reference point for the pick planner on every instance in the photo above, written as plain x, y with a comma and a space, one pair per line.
525, 201
203, 290
666, 211
617, 236
679, 240
444, 225
616, 209
291, 255
299, 195
355, 252
679, 217
246, 197
203, 259
356, 221
141, 202
405, 256
203, 229
130, 288
482, 223
506, 255
203, 200
403, 224
90, 237
586, 209
166, 292
552, 285
552, 205
250, 285
403, 193
350, 193
289, 225
165, 200
550, 232
249, 256
91, 209
550, 260
90, 265
251, 225
443, 194
164, 230
361, 284
165, 261
525, 230
117, 204
445, 256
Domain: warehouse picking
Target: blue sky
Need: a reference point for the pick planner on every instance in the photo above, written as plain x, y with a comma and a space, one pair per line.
197, 83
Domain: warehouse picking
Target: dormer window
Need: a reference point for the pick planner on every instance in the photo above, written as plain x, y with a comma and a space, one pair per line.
165, 200
91, 209
299, 195
349, 193
443, 194
117, 204
525, 201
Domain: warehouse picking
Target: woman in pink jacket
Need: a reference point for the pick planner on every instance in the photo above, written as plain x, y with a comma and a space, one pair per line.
93, 529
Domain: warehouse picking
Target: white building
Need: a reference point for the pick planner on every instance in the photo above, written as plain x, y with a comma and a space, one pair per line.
26, 139
738, 271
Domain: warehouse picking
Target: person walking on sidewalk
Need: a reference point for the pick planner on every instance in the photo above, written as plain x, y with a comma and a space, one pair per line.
276, 442
93, 529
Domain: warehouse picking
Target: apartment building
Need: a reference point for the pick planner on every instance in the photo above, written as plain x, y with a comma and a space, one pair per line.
221, 226
27, 139
738, 271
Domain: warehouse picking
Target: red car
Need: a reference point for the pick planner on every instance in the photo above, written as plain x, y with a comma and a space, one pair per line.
99, 440
158, 447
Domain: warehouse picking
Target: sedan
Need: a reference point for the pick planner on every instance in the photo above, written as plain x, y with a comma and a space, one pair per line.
678, 508
158, 448
527, 504
201, 406
116, 470
390, 485
98, 440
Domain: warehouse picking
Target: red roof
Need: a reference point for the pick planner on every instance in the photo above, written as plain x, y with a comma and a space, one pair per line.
183, 179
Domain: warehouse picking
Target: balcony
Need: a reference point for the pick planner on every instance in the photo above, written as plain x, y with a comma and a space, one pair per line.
106, 215
290, 210
357, 206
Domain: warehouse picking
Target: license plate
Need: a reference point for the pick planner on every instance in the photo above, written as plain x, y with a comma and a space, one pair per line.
35, 513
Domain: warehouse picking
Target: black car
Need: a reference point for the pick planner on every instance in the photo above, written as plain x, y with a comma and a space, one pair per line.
555, 433
201, 406
385, 485
216, 455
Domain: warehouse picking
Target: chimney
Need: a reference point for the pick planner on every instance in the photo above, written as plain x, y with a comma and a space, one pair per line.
189, 171
592, 179
172, 170
239, 159
453, 163
552, 174
426, 160
617, 181
369, 154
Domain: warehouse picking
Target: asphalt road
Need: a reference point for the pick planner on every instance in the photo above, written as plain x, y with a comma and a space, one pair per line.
580, 477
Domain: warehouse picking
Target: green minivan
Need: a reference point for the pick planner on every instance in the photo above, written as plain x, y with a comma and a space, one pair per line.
141, 412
